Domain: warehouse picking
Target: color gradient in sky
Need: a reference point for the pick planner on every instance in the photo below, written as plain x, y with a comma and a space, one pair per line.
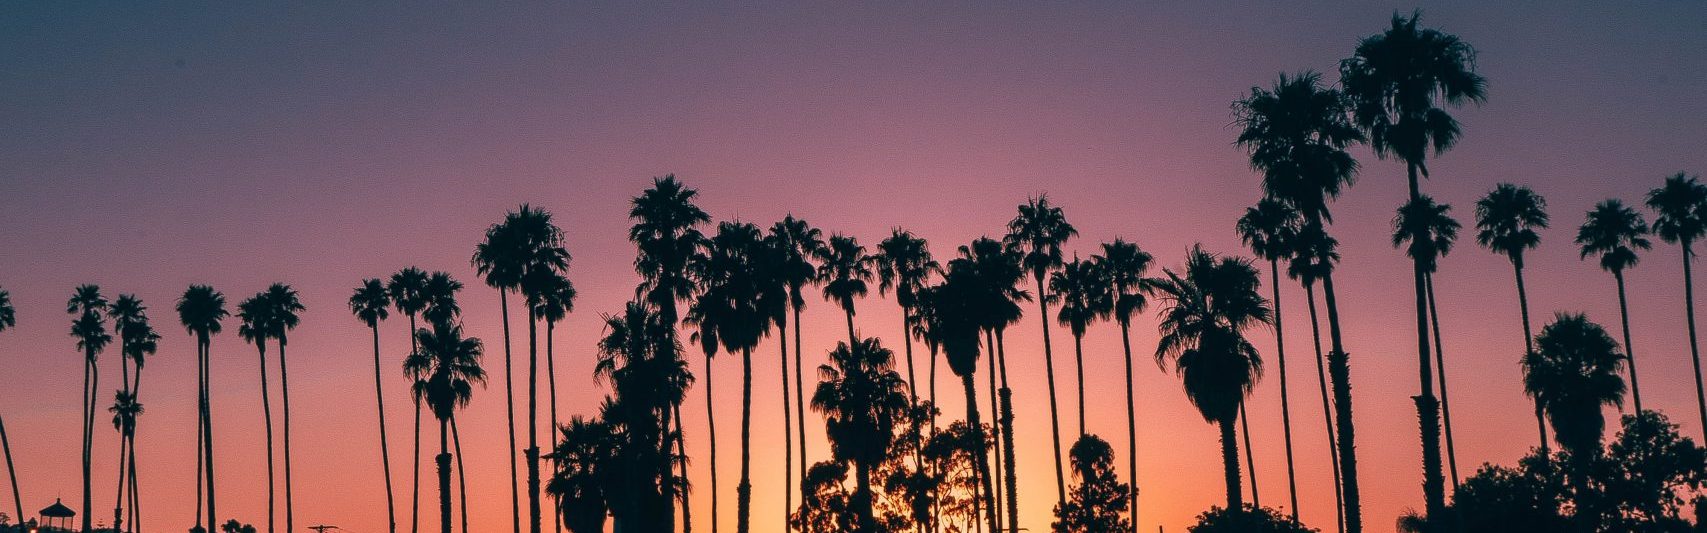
147, 147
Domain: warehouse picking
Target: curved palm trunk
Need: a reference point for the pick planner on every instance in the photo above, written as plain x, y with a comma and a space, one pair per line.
787, 435
1339, 371
1428, 408
1694, 352
744, 490
1132, 426
1528, 341
11, 472
995, 407
1079, 361
681, 453
443, 461
711, 430
510, 415
91, 383
799, 396
384, 445
1629, 352
1285, 397
1250, 460
532, 451
907, 339
1440, 367
124, 444
1007, 416
135, 499
982, 451
207, 429
1054, 409
267, 416
415, 459
551, 394
284, 394
461, 475
1230, 463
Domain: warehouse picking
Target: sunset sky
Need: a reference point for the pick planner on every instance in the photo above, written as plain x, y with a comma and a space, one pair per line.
146, 148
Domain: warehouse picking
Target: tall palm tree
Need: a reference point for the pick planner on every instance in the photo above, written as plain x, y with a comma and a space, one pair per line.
1615, 232
1574, 372
129, 319
1426, 230
1680, 217
282, 318
1313, 256
844, 269
996, 270
797, 243
666, 233
439, 306
1399, 83
954, 325
556, 300
863, 399
1085, 296
642, 363
501, 261
125, 409
445, 369
1267, 229
905, 265
1506, 223
731, 312
1123, 266
255, 315
9, 320
90, 330
406, 287
200, 310
1039, 231
140, 342
528, 243
1207, 308
371, 303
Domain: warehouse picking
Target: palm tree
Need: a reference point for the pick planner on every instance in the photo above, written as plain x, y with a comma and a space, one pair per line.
200, 310
445, 367
642, 362
9, 320
1428, 231
140, 342
285, 304
1506, 223
1123, 266
406, 287
130, 323
371, 303
1207, 309
1313, 257
996, 270
1680, 217
863, 399
1085, 296
731, 312
125, 410
666, 233
1267, 229
584, 453
1397, 82
90, 330
1573, 372
502, 260
528, 243
845, 268
255, 314
439, 306
954, 323
1615, 232
1296, 133
1039, 231
904, 265
798, 243
556, 300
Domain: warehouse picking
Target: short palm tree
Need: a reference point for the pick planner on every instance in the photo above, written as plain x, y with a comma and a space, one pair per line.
1123, 265
255, 327
1507, 220
125, 409
863, 399
9, 320
1039, 231
371, 303
584, 453
555, 300
1573, 372
844, 268
798, 243
90, 330
445, 368
200, 310
648, 378
1398, 82
1207, 308
1267, 229
407, 288
1427, 230
1615, 232
1680, 217
285, 304
1085, 296
954, 324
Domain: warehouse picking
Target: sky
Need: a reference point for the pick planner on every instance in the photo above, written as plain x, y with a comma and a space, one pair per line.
146, 147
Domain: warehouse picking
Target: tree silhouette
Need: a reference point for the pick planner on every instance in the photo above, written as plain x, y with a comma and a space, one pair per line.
1397, 82
1207, 308
9, 320
1426, 230
905, 265
1680, 217
642, 363
445, 367
1572, 372
1040, 230
1506, 223
863, 399
1615, 232
997, 269
1098, 497
531, 246
1124, 266
1267, 229
200, 310
1085, 296
954, 323
584, 452
556, 300
407, 288
844, 268
1314, 255
137, 340
90, 330
125, 409
284, 304
371, 303
797, 243
255, 317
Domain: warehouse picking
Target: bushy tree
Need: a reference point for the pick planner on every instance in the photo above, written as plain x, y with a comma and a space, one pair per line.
1097, 502
1250, 519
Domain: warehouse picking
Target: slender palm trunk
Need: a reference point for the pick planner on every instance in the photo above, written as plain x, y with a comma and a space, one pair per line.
995, 426
91, 383
415, 460
681, 458
1132, 425
551, 394
532, 452
135, 499
931, 389
907, 338
201, 423
384, 446
443, 461
1285, 397
11, 472
1079, 361
461, 475
1440, 368
1428, 407
787, 435
744, 490
1529, 341
1250, 460
510, 415
711, 430
982, 451
1339, 371
124, 441
267, 417
1629, 351
284, 394
1230, 463
1694, 352
1049, 371
799, 396
1007, 416
207, 429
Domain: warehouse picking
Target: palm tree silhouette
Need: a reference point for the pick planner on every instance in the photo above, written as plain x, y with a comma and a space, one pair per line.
1039, 231
1426, 230
282, 317
863, 399
1615, 232
1680, 217
798, 243
1123, 266
531, 241
844, 269
136, 341
445, 367
996, 272
583, 451
556, 300
125, 409
371, 303
1296, 133
9, 320
1206, 312
642, 362
1267, 229
406, 287
1572, 372
90, 330
255, 315
1506, 223
904, 265
501, 259
1397, 82
731, 311
200, 310
1085, 296
1313, 257
141, 342
954, 322
667, 236
439, 306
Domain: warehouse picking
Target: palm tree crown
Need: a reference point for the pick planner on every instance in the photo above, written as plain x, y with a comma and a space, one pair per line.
1681, 209
255, 320
1040, 230
994, 270
8, 315
1573, 372
1084, 292
1207, 307
904, 264
407, 288
799, 243
1123, 266
438, 298
1614, 232
730, 310
371, 302
667, 235
201, 309
1398, 79
1296, 133
845, 269
1426, 230
446, 366
1507, 220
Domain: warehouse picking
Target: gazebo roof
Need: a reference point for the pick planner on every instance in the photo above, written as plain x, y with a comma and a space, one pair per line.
58, 510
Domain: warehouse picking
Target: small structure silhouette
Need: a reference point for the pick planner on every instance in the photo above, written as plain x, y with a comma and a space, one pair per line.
57, 516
